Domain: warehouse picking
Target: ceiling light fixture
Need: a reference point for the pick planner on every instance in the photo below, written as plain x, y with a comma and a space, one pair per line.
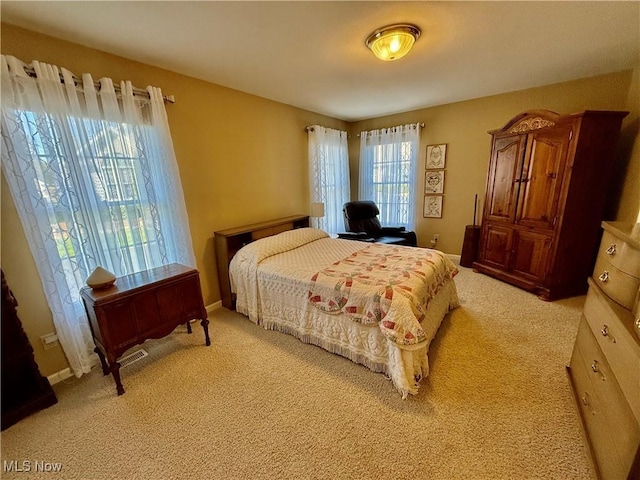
393, 41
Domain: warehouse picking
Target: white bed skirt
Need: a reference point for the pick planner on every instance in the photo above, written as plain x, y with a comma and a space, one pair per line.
363, 344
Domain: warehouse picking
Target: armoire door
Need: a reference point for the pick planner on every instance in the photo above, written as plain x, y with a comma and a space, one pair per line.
530, 255
504, 173
495, 247
541, 177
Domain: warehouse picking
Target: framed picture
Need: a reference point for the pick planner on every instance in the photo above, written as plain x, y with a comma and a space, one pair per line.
434, 181
436, 156
432, 207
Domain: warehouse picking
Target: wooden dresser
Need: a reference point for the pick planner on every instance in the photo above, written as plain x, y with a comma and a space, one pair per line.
547, 185
229, 241
605, 364
140, 306
24, 389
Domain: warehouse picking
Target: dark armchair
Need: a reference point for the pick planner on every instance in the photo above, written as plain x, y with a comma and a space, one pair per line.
362, 223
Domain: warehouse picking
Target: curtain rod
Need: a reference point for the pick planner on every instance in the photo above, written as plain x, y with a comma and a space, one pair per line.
309, 128
420, 124
137, 91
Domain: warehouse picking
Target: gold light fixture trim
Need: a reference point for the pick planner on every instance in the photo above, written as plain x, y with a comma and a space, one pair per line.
393, 41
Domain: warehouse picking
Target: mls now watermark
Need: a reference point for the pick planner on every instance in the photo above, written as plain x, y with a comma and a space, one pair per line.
30, 466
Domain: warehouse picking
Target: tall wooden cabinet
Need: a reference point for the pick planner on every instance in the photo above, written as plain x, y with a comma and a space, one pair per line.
547, 185
24, 389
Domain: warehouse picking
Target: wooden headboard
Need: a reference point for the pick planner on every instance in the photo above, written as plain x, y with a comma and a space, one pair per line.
228, 242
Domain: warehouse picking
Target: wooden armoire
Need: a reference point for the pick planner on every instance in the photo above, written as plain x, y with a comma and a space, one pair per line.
547, 185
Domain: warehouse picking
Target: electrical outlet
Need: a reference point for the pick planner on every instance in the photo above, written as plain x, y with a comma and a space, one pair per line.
436, 236
49, 341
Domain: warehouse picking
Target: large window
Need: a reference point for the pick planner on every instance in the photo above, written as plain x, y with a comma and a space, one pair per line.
105, 190
94, 178
388, 168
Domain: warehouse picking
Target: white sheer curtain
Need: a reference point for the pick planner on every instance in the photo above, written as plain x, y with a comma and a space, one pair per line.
328, 175
388, 172
94, 178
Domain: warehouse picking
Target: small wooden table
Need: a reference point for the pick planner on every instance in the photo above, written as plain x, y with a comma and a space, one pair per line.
141, 306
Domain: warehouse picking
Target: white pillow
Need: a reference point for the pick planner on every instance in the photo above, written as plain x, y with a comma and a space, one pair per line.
266, 247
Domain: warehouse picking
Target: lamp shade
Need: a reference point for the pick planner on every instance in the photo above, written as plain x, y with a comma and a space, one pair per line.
393, 42
317, 210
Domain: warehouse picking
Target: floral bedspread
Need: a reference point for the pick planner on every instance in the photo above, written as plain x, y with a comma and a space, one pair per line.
384, 284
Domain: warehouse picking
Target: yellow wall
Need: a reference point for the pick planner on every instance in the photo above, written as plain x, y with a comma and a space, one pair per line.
626, 187
243, 159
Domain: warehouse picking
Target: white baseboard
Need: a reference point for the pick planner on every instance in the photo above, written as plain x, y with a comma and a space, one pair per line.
455, 258
60, 376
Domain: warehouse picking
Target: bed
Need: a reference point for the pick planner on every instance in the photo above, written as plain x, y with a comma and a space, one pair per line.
377, 305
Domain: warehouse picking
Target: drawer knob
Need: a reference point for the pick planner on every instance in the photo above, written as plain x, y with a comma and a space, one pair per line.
638, 322
605, 333
612, 249
587, 403
595, 367
604, 276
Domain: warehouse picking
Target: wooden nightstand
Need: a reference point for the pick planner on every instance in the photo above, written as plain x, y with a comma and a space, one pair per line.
141, 306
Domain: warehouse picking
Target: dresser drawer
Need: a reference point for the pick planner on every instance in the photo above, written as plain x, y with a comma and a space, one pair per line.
620, 254
597, 429
611, 426
618, 285
617, 344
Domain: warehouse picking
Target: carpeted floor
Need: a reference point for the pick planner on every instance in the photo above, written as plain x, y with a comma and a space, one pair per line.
262, 405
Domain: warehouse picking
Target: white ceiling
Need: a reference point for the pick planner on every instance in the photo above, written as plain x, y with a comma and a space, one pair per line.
311, 54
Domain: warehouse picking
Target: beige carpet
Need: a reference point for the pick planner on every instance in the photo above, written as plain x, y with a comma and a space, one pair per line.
262, 405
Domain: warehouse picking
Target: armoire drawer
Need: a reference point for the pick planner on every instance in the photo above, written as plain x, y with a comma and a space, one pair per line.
618, 285
612, 428
620, 254
618, 345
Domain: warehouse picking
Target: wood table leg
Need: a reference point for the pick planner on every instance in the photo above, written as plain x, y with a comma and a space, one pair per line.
115, 371
189, 327
205, 327
103, 362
